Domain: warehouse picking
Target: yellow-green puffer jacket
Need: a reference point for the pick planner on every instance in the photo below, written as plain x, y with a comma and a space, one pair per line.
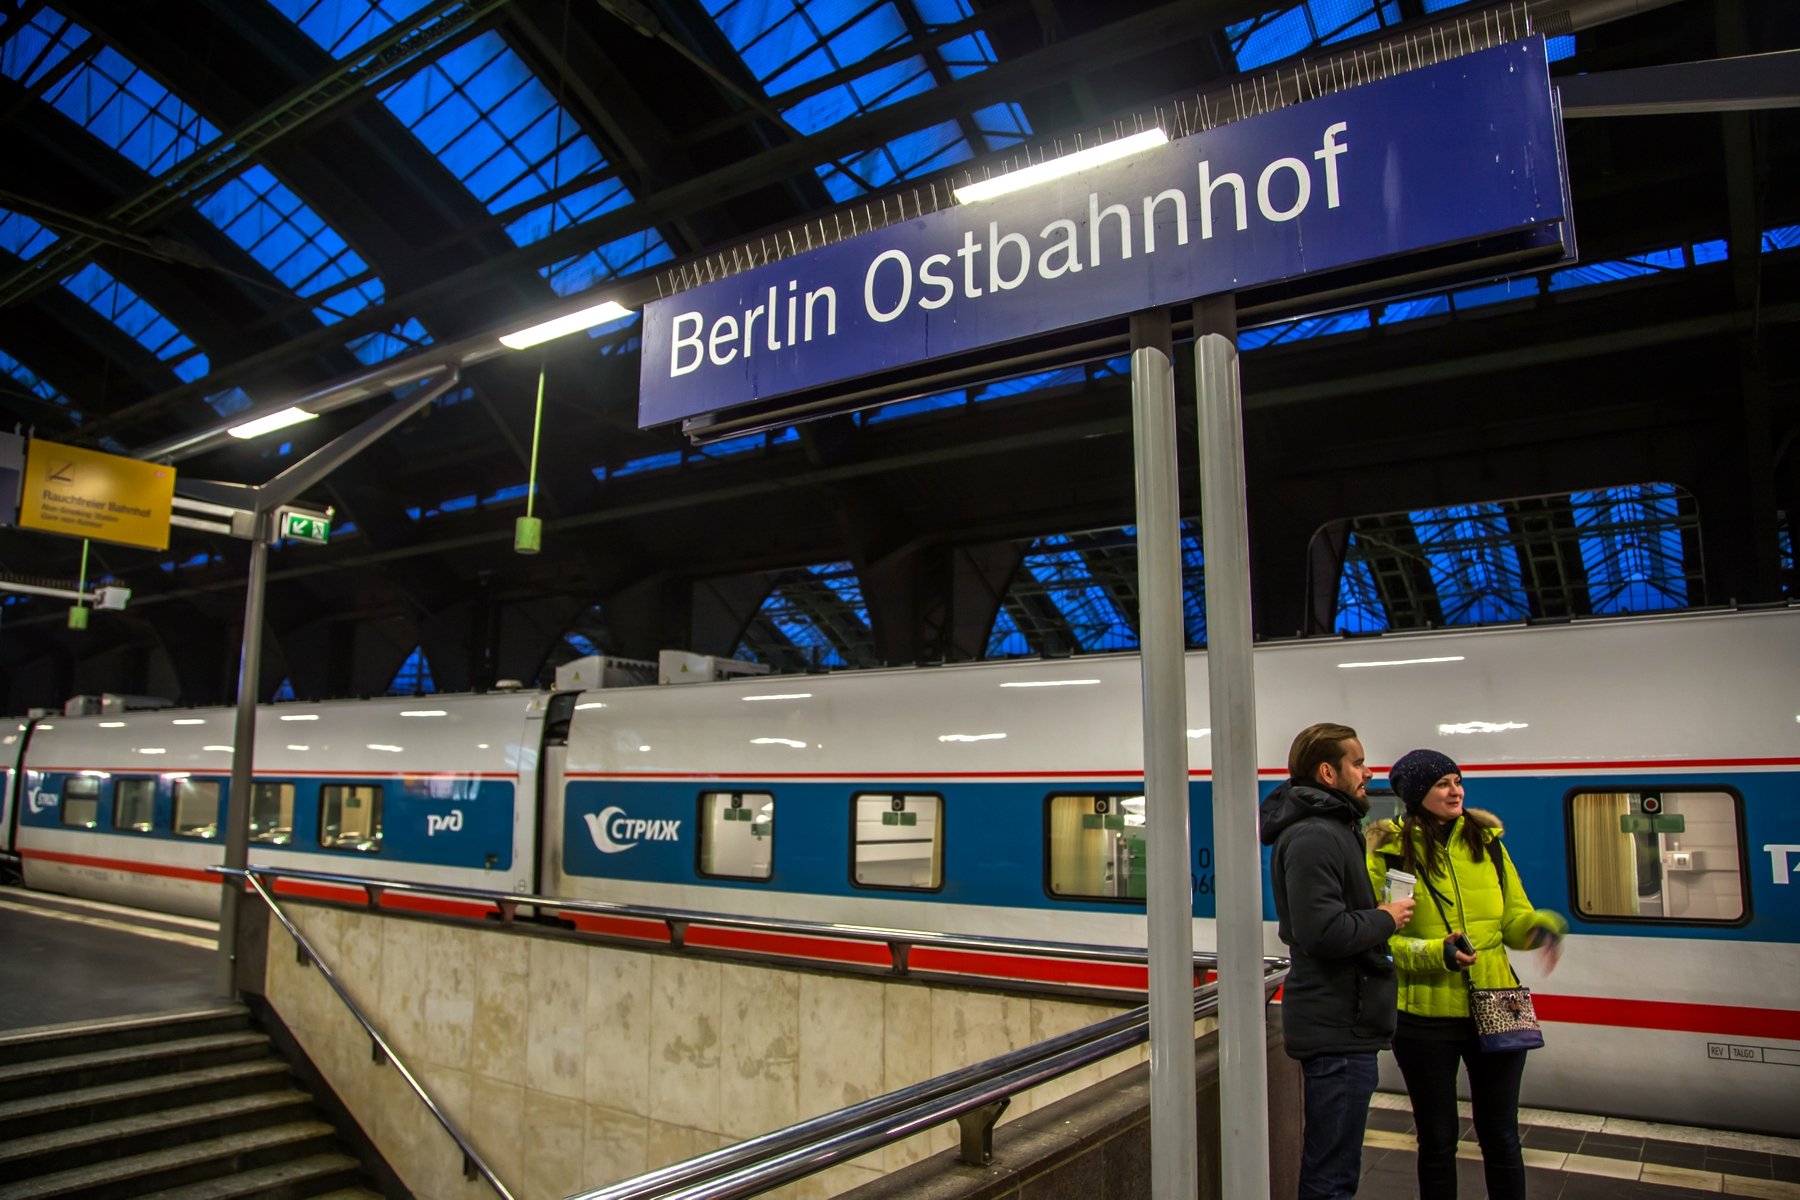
1472, 899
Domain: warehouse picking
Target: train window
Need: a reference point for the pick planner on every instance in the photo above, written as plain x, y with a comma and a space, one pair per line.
134, 804
737, 834
81, 801
898, 841
350, 817
1669, 854
197, 808
1096, 845
272, 813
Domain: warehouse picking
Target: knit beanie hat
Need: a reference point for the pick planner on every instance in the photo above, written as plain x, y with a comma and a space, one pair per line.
1412, 777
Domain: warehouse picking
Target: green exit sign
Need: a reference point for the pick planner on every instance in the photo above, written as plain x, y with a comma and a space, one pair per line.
302, 528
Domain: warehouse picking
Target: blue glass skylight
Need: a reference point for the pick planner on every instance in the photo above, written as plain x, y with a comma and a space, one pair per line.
1285, 32
1094, 618
135, 316
22, 237
259, 213
378, 347
580, 644
1784, 550
34, 49
1474, 563
1631, 548
230, 402
797, 619
789, 44
1397, 311
284, 691
1359, 606
1306, 327
35, 384
1787, 237
1587, 274
414, 676
341, 26
841, 578
109, 96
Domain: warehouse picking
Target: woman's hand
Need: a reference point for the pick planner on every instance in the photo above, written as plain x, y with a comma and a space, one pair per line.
1458, 953
1550, 944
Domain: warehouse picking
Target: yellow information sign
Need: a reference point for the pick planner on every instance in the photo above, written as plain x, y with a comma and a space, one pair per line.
89, 494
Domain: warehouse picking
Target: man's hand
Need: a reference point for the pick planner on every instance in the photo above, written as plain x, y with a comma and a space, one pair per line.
1401, 910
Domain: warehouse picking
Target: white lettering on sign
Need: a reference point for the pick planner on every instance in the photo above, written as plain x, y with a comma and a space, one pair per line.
1002, 262
39, 802
614, 832
1778, 859
450, 822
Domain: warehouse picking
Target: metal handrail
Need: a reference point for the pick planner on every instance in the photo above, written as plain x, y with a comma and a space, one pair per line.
900, 942
982, 1089
472, 1161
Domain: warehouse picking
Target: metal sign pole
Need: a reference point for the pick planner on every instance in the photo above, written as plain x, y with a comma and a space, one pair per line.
1231, 683
243, 753
1162, 648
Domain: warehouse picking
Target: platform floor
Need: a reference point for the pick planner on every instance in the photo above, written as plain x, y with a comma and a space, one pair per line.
64, 960
1572, 1156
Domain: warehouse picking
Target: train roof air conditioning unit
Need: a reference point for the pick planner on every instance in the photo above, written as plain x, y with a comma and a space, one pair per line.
679, 666
603, 671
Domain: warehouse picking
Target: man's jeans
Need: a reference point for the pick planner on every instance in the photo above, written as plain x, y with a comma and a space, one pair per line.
1338, 1087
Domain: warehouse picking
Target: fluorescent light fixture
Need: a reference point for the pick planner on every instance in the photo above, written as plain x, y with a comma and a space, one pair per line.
1482, 727
112, 724
384, 746
424, 712
587, 318
189, 721
768, 742
272, 422
299, 716
220, 749
1400, 662
970, 737
1055, 168
1051, 683
782, 696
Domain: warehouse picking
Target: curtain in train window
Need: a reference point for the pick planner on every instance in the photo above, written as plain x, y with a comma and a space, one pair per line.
1097, 846
197, 808
134, 804
81, 801
737, 834
350, 817
898, 841
1670, 855
272, 813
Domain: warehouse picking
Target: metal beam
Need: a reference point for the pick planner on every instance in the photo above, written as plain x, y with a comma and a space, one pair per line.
1749, 82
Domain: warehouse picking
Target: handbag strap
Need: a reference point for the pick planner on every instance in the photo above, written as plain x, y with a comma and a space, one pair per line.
1439, 901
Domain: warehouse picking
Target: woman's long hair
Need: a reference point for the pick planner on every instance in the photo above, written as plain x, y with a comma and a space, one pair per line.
1434, 836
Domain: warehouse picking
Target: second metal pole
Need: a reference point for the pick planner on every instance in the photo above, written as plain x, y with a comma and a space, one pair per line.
243, 756
1162, 650
1231, 684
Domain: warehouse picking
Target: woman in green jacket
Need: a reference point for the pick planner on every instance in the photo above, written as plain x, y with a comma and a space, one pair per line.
1466, 885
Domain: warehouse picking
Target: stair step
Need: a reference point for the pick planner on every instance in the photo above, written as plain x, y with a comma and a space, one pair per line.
75, 1037
192, 1167
91, 1067
280, 1182
57, 1150
34, 1114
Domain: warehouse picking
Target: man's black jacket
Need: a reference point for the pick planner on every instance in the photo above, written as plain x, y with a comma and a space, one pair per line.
1341, 995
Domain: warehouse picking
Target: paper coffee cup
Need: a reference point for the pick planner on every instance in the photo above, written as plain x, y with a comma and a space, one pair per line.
1399, 885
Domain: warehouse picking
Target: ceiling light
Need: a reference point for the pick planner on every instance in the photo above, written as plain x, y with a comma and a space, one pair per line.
112, 724
189, 721
587, 318
783, 696
1400, 662
1055, 168
383, 746
768, 742
301, 748
299, 716
643, 747
1051, 683
272, 422
424, 712
220, 749
970, 737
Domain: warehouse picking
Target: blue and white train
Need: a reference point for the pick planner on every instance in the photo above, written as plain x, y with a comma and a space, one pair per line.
1647, 771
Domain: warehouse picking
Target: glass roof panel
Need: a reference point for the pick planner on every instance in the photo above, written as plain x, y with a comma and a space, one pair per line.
34, 49
372, 348
414, 676
1359, 607
1285, 32
34, 383
116, 102
1631, 548
340, 26
22, 237
278, 229
1474, 563
813, 617
137, 317
789, 44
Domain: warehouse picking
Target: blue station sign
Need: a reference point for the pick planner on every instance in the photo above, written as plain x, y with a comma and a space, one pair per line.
1432, 158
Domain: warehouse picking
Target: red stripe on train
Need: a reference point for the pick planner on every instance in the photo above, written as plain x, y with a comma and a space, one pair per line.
1671, 1017
113, 864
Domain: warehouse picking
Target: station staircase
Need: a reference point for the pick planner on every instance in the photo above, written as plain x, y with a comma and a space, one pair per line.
195, 1105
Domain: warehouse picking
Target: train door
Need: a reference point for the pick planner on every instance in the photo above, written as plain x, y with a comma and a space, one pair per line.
548, 880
